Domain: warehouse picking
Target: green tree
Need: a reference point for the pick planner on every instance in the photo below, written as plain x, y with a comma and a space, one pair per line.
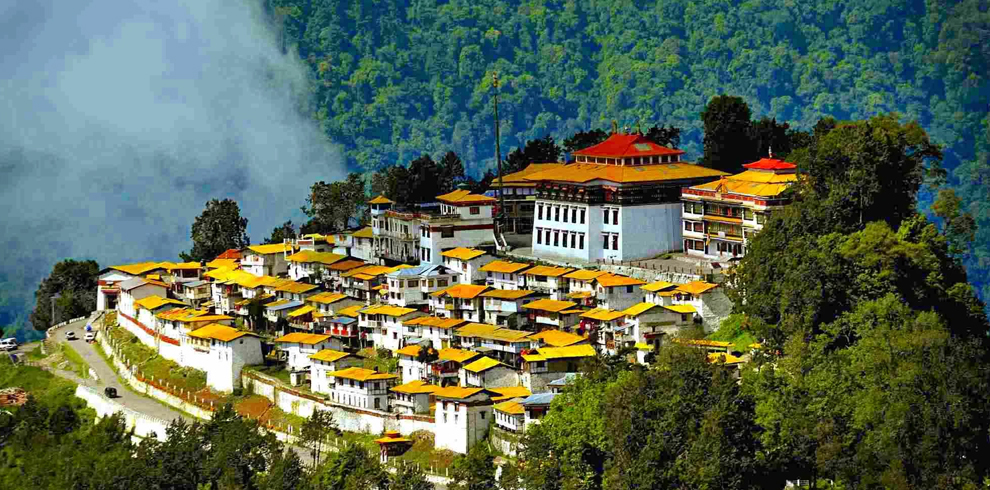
959, 226
76, 282
451, 171
217, 229
475, 470
281, 233
351, 468
542, 150
584, 139
409, 477
333, 207
316, 432
727, 129
427, 355
286, 472
664, 136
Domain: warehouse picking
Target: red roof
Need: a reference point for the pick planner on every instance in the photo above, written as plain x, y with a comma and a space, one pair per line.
232, 253
770, 164
627, 145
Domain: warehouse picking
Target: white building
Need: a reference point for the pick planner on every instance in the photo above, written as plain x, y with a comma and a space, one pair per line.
410, 368
311, 265
229, 351
646, 324
510, 416
720, 217
620, 200
108, 283
547, 364
462, 417
437, 330
503, 307
502, 343
462, 301
298, 347
581, 286
501, 274
267, 260
412, 286
617, 292
536, 407
445, 371
413, 397
465, 220
195, 293
384, 325
548, 280
549, 313
327, 361
360, 283
468, 263
608, 324
709, 301
330, 304
135, 289
488, 373
361, 388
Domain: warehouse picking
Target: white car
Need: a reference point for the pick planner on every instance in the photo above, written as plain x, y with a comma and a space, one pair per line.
8, 344
70, 335
90, 336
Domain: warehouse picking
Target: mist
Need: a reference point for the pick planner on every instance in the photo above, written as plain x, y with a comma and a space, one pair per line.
119, 120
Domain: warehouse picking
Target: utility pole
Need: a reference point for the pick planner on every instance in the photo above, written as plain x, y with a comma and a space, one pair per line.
498, 158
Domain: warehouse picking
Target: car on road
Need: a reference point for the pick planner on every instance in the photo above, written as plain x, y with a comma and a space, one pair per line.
70, 335
90, 336
8, 344
110, 392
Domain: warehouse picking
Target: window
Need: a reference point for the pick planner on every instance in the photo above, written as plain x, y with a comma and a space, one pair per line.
539, 241
582, 216
615, 216
748, 214
556, 213
539, 211
761, 218
605, 241
573, 215
547, 237
687, 226
475, 210
482, 415
441, 283
447, 232
605, 215
556, 238
565, 215
574, 240
699, 227
615, 241
581, 241
629, 289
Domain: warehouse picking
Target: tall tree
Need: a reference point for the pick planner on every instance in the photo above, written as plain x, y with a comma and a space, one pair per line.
410, 477
75, 281
475, 470
584, 139
280, 233
451, 171
316, 432
351, 468
542, 150
334, 206
217, 229
726, 121
664, 136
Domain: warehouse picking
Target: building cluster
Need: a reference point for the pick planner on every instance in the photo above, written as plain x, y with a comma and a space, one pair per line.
481, 341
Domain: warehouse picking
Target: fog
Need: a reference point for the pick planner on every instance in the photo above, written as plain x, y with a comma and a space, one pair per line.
119, 120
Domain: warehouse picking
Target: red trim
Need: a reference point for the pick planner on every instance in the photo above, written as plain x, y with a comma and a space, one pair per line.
152, 333
465, 227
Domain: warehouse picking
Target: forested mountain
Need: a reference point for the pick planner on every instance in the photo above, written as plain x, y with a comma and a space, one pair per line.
392, 80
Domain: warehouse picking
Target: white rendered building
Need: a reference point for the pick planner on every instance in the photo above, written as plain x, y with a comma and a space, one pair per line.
229, 351
413, 397
267, 260
501, 274
411, 287
467, 262
462, 417
298, 348
327, 361
361, 388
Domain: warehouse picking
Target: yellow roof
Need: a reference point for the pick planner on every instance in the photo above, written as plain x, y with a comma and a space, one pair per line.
301, 311
361, 374
302, 338
658, 286
612, 280
639, 308
365, 232
463, 253
521, 178
326, 298
681, 308
272, 248
550, 305
435, 322
330, 355
557, 338
723, 357
533, 357
415, 387
392, 438
296, 287
346, 265
483, 364
548, 270
381, 200
154, 302
642, 346
507, 293
492, 332
138, 268
227, 263
458, 392
409, 350
585, 275
696, 287
457, 355
463, 291
510, 392
183, 313
219, 332
504, 266
388, 310
582, 350
368, 270
580, 294
510, 407
350, 311
602, 314
751, 183
464, 197
311, 256
631, 174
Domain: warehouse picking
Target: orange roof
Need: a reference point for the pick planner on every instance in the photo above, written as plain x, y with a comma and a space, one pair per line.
751, 183
365, 232
464, 291
603, 314
464, 197
510, 392
435, 322
557, 338
611, 280
415, 387
457, 355
507, 293
770, 164
326, 298
504, 266
409, 350
629, 174
361, 374
381, 200
463, 253
510, 407
368, 270
550, 305
346, 265
231, 253
330, 355
302, 338
620, 145
585, 275
219, 332
350, 311
520, 178
547, 270
696, 287
458, 392
658, 286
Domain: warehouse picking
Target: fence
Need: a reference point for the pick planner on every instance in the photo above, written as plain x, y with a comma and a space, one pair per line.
48, 333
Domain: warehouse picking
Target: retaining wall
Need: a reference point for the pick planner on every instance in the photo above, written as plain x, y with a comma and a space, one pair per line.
143, 425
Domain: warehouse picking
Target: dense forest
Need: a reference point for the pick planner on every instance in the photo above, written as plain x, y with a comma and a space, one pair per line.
391, 81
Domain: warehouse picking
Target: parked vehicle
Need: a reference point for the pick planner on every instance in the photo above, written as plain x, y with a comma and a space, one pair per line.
8, 344
110, 392
90, 336
70, 335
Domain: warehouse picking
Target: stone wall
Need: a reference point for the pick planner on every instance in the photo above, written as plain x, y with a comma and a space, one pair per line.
143, 425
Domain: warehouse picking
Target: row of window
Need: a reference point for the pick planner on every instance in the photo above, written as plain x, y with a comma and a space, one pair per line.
560, 238
570, 214
630, 161
723, 210
615, 216
610, 237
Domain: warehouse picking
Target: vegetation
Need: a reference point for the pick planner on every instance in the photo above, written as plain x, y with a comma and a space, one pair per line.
735, 329
79, 365
150, 364
286, 231
75, 282
217, 229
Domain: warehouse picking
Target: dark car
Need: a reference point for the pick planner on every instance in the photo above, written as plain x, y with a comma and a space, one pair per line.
110, 392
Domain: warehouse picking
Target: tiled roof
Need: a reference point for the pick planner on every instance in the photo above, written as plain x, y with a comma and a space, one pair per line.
520, 178
639, 308
658, 286
629, 174
311, 256
326, 298
483, 364
219, 332
381, 200
619, 145
550, 305
504, 266
368, 270
507, 293
435, 322
510, 392
602, 314
415, 387
223, 263
361, 374
457, 355
547, 270
388, 310
696, 287
346, 265
458, 392
571, 351
302, 338
585, 274
154, 302
330, 355
301, 311
463, 253
464, 197
350, 311
612, 280
510, 407
231, 253
682, 308
492, 332
463, 291
272, 248
751, 183
770, 164
138, 268
296, 287
557, 338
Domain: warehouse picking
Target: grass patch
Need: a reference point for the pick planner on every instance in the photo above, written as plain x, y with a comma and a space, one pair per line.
381, 359
49, 390
36, 354
734, 329
424, 453
151, 364
78, 364
276, 371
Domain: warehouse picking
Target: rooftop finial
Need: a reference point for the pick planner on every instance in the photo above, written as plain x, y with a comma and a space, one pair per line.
615, 126
770, 150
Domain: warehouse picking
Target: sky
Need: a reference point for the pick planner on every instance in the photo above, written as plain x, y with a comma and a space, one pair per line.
119, 120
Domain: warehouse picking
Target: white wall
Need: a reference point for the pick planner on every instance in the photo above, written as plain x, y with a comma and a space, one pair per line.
457, 429
143, 425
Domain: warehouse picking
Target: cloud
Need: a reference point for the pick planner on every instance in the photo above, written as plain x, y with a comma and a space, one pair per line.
119, 120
